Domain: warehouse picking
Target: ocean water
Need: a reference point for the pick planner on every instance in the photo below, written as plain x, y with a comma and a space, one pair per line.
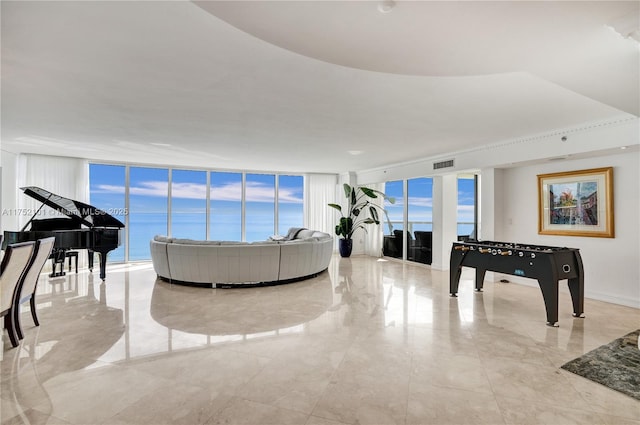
144, 226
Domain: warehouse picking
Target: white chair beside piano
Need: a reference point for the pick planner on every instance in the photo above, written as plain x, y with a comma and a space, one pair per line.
19, 273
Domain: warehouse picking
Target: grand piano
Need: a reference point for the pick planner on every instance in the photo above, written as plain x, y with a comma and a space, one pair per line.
84, 227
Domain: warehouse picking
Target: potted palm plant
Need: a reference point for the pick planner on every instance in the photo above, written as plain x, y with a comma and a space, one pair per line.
360, 212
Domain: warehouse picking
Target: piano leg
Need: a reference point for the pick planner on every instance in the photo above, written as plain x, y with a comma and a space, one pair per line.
103, 265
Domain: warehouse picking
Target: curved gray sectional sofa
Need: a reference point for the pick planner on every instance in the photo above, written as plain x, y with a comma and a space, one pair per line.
220, 264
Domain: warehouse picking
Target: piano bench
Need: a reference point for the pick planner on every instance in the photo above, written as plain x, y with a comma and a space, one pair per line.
70, 255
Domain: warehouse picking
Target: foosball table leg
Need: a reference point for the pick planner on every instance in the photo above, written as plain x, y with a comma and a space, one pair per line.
480, 279
549, 288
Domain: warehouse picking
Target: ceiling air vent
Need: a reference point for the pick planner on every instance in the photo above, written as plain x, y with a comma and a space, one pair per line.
443, 164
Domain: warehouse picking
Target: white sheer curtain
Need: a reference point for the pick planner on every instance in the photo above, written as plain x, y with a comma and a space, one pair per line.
374, 235
68, 177
320, 190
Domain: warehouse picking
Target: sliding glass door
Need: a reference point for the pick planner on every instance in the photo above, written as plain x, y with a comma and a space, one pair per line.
419, 219
467, 216
394, 223
412, 217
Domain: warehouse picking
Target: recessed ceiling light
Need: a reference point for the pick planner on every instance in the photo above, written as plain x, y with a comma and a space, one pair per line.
386, 6
623, 147
355, 152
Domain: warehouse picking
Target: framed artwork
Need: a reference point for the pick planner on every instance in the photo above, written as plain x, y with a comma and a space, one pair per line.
576, 203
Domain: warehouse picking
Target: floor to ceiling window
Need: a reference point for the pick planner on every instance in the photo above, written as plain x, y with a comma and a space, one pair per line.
392, 243
290, 202
260, 198
148, 215
225, 222
420, 219
466, 217
173, 202
188, 204
107, 192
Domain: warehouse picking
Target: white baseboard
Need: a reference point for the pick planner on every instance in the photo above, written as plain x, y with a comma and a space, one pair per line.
594, 295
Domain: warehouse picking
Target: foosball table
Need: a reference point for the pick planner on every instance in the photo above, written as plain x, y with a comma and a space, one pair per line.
547, 264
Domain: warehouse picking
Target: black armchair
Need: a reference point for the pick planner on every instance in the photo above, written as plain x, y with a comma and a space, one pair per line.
422, 249
399, 234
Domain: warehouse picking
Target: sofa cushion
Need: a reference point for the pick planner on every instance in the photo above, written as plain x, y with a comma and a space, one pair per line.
161, 238
308, 239
304, 233
293, 232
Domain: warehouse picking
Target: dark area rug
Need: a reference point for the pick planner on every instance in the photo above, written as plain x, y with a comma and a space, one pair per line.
615, 365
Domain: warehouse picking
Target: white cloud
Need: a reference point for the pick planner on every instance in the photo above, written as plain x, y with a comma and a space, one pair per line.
107, 188
288, 195
465, 213
152, 188
227, 192
189, 190
255, 191
420, 202
258, 192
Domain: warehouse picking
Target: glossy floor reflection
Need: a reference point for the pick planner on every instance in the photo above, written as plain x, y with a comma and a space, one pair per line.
367, 342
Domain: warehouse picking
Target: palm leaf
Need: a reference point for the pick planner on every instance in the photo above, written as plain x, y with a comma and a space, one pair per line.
336, 206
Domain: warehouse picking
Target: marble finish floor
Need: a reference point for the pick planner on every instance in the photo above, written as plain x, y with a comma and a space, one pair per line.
369, 341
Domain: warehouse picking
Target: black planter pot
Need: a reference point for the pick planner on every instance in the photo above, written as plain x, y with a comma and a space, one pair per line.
345, 246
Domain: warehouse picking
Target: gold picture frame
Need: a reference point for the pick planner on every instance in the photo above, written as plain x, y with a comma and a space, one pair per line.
576, 203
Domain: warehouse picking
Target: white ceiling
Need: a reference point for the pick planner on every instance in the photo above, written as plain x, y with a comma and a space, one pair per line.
306, 86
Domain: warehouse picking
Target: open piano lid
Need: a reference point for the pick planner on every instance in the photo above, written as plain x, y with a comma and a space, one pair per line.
77, 211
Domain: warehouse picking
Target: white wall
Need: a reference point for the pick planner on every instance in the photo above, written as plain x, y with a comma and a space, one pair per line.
492, 197
445, 232
9, 219
611, 265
